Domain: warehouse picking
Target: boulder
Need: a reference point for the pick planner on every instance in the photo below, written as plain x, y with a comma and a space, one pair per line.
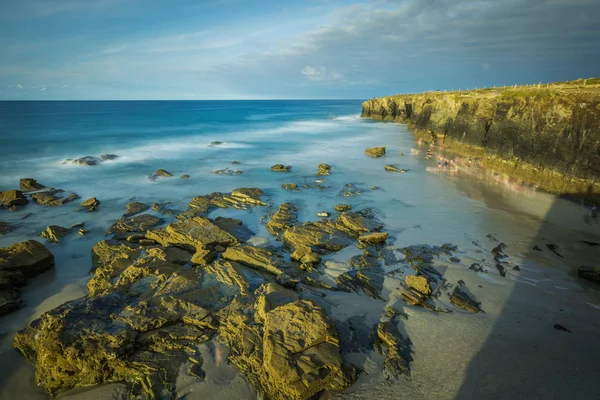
255, 257
589, 272
289, 186
281, 168
343, 207
135, 208
285, 217
54, 197
375, 151
291, 353
324, 169
11, 198
193, 234
91, 204
54, 233
136, 224
162, 209
30, 185
393, 168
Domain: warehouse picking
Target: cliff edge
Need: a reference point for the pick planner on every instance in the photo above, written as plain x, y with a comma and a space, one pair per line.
547, 135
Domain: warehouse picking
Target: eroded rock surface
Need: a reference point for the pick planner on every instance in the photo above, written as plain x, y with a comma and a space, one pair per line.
30, 185
138, 223
54, 197
375, 151
12, 198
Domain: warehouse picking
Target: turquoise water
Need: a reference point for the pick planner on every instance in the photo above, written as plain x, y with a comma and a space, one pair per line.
427, 204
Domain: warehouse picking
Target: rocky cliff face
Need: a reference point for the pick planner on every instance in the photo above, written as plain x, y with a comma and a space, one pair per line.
548, 136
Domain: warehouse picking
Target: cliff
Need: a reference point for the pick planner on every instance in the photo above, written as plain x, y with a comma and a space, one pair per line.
547, 135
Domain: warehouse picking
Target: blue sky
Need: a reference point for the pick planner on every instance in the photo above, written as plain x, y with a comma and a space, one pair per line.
242, 49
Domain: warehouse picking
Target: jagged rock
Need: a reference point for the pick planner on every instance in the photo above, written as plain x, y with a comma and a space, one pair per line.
234, 227
248, 196
160, 173
498, 252
160, 208
374, 238
230, 273
365, 280
396, 349
324, 169
463, 299
239, 198
323, 214
195, 233
363, 261
139, 223
255, 257
285, 217
375, 151
18, 263
289, 186
135, 208
87, 161
343, 207
5, 228
91, 204
281, 168
293, 354
419, 283
54, 197
54, 233
322, 235
11, 198
30, 185
357, 223
393, 168
109, 259
589, 272
227, 171
350, 190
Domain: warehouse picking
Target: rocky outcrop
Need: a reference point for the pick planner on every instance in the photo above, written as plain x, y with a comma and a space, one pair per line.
323, 169
30, 185
281, 168
91, 204
54, 197
18, 263
546, 136
134, 208
12, 198
255, 257
54, 233
137, 224
285, 217
375, 152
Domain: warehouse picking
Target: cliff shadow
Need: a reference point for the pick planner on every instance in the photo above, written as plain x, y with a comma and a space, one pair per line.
544, 341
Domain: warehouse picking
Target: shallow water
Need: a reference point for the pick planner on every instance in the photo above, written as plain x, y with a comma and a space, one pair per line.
426, 205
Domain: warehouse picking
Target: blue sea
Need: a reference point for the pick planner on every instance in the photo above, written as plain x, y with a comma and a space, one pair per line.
429, 204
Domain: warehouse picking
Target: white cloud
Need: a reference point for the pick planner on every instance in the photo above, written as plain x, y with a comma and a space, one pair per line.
321, 74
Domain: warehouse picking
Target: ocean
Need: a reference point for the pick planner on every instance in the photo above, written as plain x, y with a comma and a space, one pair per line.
429, 204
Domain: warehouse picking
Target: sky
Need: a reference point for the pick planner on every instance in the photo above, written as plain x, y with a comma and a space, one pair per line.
288, 49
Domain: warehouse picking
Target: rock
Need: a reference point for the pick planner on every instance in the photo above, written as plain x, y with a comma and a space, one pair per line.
375, 151
289, 186
193, 234
374, 238
322, 235
324, 169
554, 248
18, 263
108, 157
559, 327
343, 207
109, 259
30, 185
285, 217
215, 143
54, 233
498, 251
5, 228
239, 198
419, 283
160, 208
255, 257
396, 349
82, 231
160, 173
462, 298
91, 204
54, 197
236, 162
589, 272
292, 353
11, 198
356, 223
350, 190
139, 223
323, 214
87, 161
248, 196
281, 168
135, 208
227, 171
393, 168
185, 176
367, 280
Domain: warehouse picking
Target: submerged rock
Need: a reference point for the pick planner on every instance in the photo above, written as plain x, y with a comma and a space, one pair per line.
589, 272
30, 185
285, 217
393, 168
54, 197
91, 204
135, 207
108, 157
87, 161
227, 171
324, 169
185, 176
160, 173
281, 168
54, 233
375, 151
139, 223
18, 263
11, 198
343, 207
289, 186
